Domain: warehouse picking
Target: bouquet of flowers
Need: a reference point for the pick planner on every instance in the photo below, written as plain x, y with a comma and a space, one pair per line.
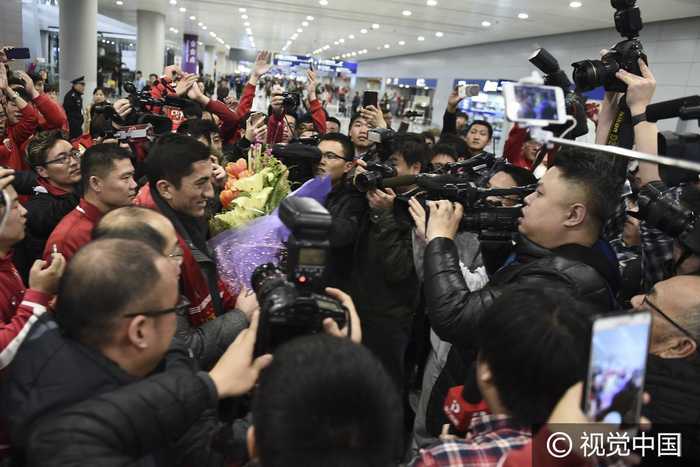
255, 187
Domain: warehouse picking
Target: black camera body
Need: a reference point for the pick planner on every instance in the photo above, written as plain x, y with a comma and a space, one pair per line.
625, 55
575, 103
290, 303
291, 101
481, 215
373, 177
669, 216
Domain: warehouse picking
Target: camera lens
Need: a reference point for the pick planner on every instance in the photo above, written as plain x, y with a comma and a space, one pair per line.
367, 181
265, 276
588, 74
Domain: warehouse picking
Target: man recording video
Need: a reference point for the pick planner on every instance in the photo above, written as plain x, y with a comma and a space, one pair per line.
558, 246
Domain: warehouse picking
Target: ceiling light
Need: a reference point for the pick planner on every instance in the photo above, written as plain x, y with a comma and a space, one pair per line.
305, 23
406, 13
183, 9
486, 24
241, 10
379, 47
431, 2
119, 2
244, 16
212, 34
204, 27
523, 15
439, 34
336, 42
299, 30
228, 46
351, 36
326, 47
309, 18
402, 42
375, 26
173, 2
200, 43
363, 31
174, 30
193, 18
354, 54
246, 24
386, 46
341, 40
200, 24
323, 2
421, 38
575, 4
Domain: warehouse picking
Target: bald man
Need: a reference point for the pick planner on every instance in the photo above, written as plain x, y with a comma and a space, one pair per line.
673, 367
208, 341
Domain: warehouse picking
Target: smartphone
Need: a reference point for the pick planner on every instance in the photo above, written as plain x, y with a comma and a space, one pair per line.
468, 90
370, 98
18, 53
533, 104
616, 368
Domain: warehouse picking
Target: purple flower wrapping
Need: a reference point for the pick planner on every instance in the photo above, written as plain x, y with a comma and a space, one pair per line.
239, 251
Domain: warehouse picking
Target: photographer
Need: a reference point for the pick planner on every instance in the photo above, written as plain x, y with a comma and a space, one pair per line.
360, 124
18, 122
282, 122
559, 229
385, 282
50, 114
346, 205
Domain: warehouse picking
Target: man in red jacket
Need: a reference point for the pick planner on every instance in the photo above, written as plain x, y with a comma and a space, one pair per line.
50, 114
179, 172
108, 184
18, 121
281, 125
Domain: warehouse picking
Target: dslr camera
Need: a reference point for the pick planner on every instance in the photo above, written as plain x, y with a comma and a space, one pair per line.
374, 176
291, 304
291, 101
672, 218
625, 55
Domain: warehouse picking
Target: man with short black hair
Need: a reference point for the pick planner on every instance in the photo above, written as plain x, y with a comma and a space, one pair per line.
442, 154
56, 193
516, 321
332, 125
478, 135
179, 172
346, 205
108, 183
325, 378
116, 321
358, 132
385, 283
208, 341
558, 246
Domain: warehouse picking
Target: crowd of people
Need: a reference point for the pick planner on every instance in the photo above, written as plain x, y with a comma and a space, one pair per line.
120, 344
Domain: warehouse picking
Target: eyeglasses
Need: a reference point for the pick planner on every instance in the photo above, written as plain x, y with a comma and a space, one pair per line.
177, 254
333, 157
179, 308
668, 318
65, 158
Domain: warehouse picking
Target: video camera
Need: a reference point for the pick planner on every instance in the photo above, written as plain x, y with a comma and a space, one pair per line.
141, 105
374, 176
291, 101
484, 216
383, 139
685, 146
669, 216
625, 55
131, 134
291, 304
575, 103
300, 159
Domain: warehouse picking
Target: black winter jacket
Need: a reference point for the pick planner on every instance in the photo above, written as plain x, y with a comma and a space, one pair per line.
454, 311
52, 373
128, 426
347, 207
44, 211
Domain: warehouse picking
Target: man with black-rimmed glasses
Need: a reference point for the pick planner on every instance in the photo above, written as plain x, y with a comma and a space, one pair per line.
673, 366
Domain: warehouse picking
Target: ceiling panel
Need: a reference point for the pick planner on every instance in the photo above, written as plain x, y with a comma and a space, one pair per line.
339, 25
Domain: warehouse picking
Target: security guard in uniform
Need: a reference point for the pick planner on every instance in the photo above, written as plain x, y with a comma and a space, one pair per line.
73, 105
